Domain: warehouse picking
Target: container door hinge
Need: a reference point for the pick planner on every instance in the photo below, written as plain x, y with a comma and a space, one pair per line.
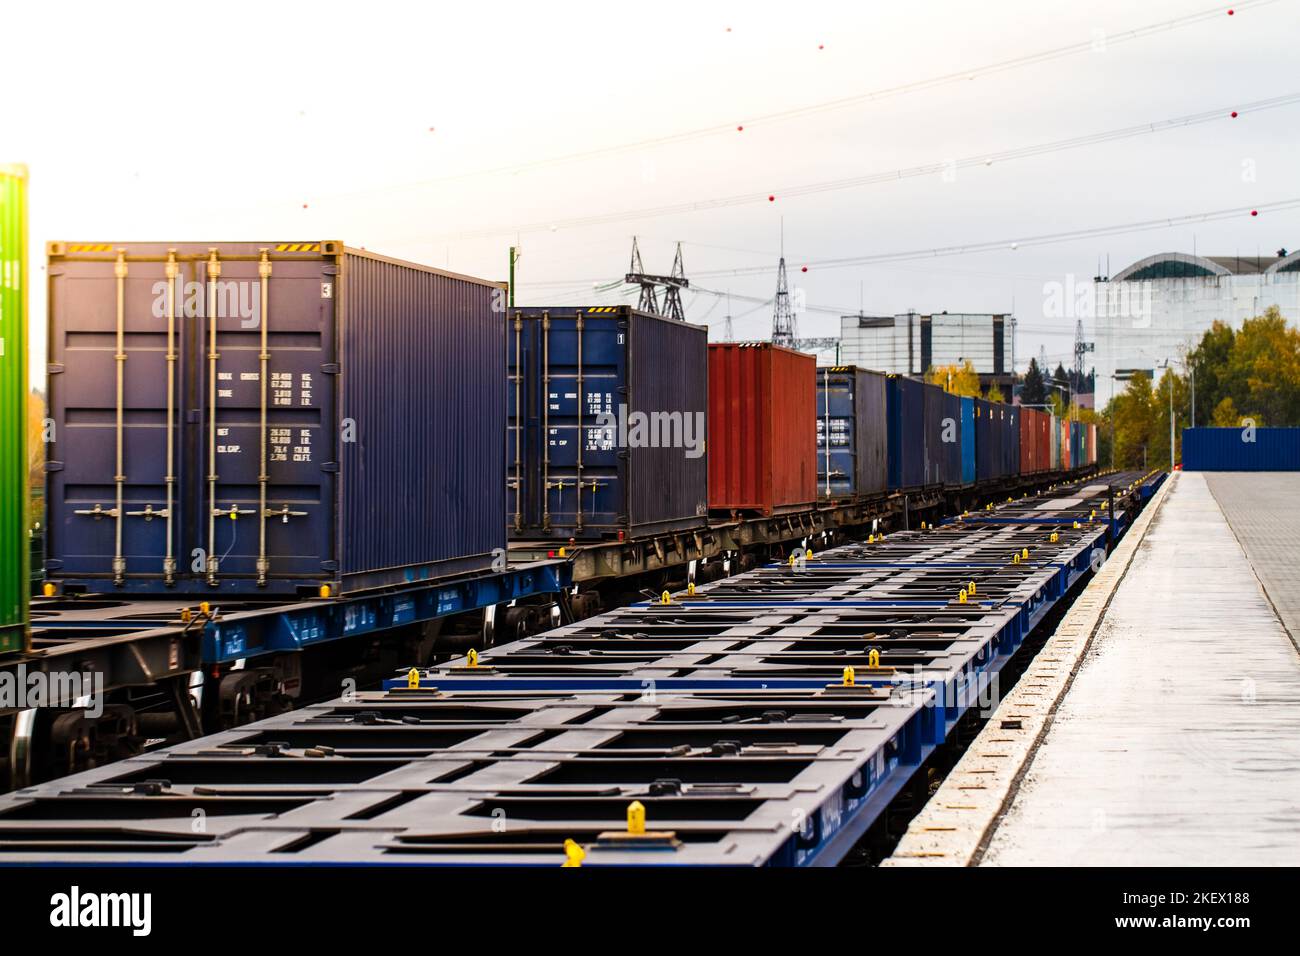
330, 368
55, 369
329, 466
329, 565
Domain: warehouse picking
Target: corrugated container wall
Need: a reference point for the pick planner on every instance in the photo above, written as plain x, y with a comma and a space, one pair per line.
933, 437
1241, 449
852, 454
905, 408
286, 416
950, 440
607, 416
762, 427
15, 553
1011, 429
1055, 429
967, 441
1066, 460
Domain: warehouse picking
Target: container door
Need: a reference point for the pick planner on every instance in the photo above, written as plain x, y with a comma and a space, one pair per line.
582, 362
114, 466
265, 394
836, 431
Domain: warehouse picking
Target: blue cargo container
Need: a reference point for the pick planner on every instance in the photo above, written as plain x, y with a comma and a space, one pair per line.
270, 418
1241, 449
1076, 444
950, 440
967, 441
1009, 418
905, 409
641, 469
852, 453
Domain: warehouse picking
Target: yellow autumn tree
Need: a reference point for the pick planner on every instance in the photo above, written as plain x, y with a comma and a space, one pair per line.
963, 380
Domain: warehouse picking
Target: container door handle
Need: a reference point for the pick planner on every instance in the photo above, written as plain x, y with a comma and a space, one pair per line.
213, 273
263, 474
119, 360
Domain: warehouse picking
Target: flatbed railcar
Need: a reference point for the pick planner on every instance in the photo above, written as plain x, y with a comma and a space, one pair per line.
692, 743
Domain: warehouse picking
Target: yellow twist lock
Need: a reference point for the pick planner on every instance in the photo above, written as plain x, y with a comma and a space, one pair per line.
562, 553
636, 818
325, 590
1024, 554
666, 598
808, 555
971, 588
1076, 526
1015, 557
849, 677
873, 658
412, 679
961, 596
690, 588
205, 608
471, 659
573, 854
48, 590
922, 525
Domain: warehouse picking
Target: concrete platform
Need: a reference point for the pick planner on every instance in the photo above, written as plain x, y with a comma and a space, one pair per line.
1178, 742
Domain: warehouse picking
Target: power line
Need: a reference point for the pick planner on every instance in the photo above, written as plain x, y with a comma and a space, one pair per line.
970, 73
1015, 243
886, 176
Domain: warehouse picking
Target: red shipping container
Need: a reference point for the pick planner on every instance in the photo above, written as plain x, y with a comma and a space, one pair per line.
762, 427
1035, 441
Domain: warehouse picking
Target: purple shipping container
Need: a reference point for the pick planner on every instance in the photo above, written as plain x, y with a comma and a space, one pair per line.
270, 418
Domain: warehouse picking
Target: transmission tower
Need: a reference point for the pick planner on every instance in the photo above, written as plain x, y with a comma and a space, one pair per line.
673, 288
784, 327
636, 275
672, 285
1081, 348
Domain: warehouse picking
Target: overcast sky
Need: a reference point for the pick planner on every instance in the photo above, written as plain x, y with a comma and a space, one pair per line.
439, 133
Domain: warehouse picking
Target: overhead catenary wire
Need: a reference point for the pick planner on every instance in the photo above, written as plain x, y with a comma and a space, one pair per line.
812, 109
939, 167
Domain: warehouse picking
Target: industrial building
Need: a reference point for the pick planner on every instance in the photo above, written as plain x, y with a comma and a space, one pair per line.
911, 343
1159, 307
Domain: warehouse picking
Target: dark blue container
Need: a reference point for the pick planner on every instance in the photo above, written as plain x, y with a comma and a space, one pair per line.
950, 440
852, 445
967, 441
905, 409
1010, 419
290, 416
1241, 449
607, 412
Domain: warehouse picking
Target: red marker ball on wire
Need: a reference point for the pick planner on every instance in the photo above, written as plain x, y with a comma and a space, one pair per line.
1234, 114
804, 269
1254, 212
771, 199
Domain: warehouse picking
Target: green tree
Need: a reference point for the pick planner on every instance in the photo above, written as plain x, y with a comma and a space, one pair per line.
1132, 418
1226, 415
1034, 389
1158, 451
1210, 359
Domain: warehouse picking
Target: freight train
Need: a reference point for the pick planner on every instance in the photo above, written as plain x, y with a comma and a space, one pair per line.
304, 419
271, 466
